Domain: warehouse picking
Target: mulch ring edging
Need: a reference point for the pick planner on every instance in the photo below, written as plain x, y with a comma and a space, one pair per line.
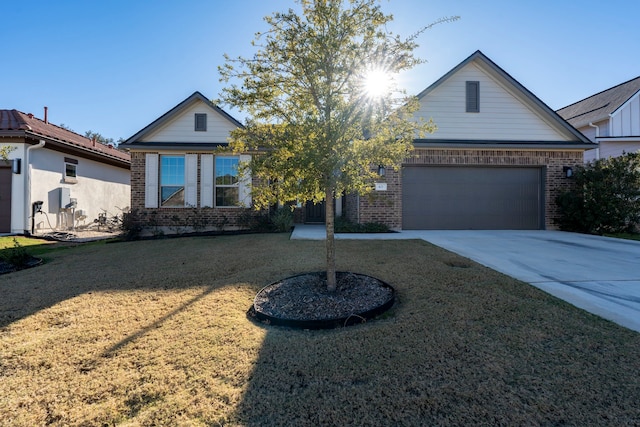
302, 301
6, 267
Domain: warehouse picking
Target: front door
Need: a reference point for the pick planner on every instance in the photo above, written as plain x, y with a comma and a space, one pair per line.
5, 199
314, 213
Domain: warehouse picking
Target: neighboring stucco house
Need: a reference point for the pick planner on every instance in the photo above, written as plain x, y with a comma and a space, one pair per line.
64, 178
610, 118
179, 178
497, 160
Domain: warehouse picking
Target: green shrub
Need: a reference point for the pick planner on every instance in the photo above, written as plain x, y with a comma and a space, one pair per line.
17, 255
343, 225
605, 197
131, 225
282, 219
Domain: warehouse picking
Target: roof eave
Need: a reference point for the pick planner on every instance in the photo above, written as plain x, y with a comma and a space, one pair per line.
489, 144
173, 146
70, 148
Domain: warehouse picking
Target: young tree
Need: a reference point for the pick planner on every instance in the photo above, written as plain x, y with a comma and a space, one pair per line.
324, 109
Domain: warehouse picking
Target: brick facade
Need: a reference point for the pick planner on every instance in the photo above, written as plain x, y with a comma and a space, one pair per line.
186, 219
386, 207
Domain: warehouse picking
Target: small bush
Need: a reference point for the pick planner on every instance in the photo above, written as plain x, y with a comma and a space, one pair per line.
605, 198
131, 225
16, 256
343, 225
282, 219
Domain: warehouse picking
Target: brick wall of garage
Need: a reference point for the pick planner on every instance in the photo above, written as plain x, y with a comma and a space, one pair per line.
386, 207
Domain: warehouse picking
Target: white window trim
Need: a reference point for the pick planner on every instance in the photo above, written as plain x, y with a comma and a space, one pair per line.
67, 178
216, 186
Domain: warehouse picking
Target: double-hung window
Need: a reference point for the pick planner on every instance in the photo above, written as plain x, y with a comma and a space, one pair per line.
172, 175
70, 170
226, 181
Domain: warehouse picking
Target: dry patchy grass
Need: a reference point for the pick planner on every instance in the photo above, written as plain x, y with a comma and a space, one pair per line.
155, 333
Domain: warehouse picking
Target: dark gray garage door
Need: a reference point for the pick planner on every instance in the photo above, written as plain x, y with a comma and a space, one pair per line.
472, 198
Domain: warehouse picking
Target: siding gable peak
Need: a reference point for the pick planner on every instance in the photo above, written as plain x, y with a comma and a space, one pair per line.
178, 124
506, 109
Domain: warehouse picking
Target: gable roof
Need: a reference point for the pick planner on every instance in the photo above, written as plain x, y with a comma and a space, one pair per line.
492, 69
14, 123
598, 107
172, 113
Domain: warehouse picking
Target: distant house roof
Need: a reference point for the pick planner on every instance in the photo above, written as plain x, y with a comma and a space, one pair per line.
14, 123
598, 107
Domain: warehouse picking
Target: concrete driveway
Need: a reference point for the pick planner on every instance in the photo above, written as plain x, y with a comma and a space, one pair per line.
598, 274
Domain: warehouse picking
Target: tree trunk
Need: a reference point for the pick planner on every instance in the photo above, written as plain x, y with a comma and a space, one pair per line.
331, 243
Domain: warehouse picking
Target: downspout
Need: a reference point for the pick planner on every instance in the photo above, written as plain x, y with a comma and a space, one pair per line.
597, 136
27, 186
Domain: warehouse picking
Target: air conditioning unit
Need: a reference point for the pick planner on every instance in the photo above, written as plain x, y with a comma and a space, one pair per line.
80, 214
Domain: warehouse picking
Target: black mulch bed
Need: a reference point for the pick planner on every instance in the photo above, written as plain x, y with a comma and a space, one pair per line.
303, 301
6, 267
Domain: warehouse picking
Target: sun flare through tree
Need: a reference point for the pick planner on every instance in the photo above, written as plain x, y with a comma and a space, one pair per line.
318, 118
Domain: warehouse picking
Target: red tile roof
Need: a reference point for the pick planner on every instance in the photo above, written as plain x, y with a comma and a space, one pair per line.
14, 120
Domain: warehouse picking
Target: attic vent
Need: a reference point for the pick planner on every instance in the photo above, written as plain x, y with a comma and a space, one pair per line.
201, 122
473, 97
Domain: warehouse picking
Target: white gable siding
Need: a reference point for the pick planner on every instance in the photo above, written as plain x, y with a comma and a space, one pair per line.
502, 116
625, 121
182, 127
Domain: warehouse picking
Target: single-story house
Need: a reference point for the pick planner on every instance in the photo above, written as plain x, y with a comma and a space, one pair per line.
610, 118
56, 179
498, 160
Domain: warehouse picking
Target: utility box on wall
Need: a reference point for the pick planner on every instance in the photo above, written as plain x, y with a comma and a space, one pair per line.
65, 198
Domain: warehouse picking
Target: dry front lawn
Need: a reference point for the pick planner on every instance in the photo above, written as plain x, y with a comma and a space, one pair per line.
155, 333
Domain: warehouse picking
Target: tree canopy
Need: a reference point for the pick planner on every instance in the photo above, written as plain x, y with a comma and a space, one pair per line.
315, 127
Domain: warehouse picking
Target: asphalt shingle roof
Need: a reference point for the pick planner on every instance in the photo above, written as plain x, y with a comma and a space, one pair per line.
598, 107
17, 121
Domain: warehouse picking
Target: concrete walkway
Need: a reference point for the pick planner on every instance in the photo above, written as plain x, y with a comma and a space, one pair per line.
598, 274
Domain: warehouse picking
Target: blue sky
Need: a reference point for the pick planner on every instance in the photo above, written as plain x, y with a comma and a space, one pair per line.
114, 66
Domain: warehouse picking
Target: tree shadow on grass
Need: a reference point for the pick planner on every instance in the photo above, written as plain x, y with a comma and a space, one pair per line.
125, 266
462, 346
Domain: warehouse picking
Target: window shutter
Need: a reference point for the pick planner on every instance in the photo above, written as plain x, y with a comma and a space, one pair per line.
151, 181
244, 183
191, 180
206, 180
473, 97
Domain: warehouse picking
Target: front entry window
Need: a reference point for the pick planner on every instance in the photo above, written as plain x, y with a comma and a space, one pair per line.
172, 181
